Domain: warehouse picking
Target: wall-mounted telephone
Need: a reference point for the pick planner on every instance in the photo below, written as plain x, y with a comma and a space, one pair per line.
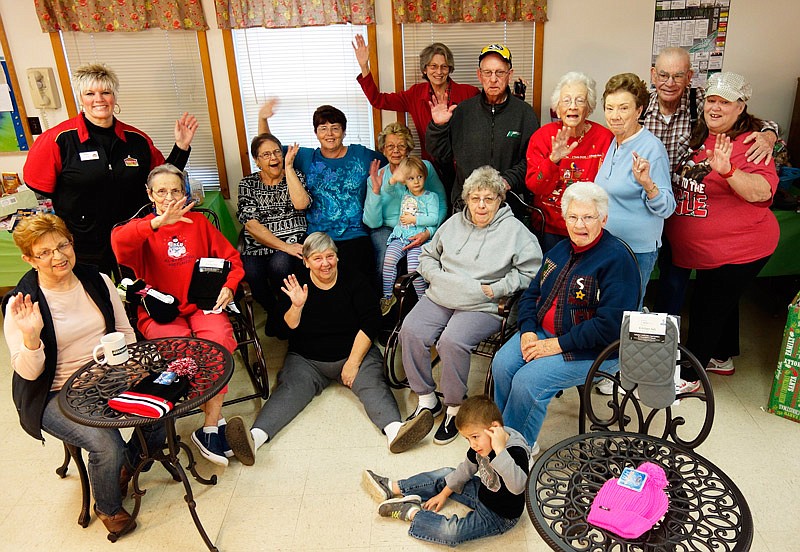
42, 82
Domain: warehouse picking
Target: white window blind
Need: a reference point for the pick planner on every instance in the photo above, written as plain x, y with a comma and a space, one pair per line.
160, 77
303, 68
466, 40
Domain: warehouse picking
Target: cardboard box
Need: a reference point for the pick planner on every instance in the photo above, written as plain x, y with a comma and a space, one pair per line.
24, 198
784, 400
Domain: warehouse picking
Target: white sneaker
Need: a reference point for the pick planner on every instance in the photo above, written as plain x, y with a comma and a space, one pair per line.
605, 387
683, 387
721, 367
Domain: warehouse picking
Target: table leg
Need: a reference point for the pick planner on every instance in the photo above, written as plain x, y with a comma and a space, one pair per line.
175, 445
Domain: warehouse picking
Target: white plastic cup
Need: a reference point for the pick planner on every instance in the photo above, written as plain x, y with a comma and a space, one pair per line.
114, 347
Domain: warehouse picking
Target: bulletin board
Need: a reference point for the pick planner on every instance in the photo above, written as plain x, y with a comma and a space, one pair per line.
698, 26
14, 133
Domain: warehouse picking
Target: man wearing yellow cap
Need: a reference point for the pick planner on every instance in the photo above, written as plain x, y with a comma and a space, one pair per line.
492, 128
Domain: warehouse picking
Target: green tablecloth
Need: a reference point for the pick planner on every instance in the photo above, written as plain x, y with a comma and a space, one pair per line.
12, 267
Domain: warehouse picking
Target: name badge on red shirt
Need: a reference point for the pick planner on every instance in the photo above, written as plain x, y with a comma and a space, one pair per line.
131, 161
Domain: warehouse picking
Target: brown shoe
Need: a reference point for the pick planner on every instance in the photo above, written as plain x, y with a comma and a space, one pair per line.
119, 524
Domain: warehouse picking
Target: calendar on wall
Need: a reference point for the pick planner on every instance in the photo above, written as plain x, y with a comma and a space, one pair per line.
698, 26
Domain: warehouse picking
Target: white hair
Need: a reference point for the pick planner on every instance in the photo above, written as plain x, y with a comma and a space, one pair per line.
575, 77
585, 192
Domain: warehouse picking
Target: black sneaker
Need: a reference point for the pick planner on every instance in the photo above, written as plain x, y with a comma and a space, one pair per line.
447, 431
435, 411
210, 447
226, 448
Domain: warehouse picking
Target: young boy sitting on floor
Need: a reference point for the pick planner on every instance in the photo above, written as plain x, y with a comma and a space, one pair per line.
491, 481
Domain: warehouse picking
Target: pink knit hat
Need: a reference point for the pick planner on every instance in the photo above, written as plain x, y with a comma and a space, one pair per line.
629, 513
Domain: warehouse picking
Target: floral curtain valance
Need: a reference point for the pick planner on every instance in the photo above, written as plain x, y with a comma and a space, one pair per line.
243, 14
93, 16
468, 11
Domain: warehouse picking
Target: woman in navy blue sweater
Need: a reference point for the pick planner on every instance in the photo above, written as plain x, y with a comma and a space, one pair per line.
571, 311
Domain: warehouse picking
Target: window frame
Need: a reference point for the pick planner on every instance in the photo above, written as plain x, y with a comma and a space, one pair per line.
208, 84
236, 93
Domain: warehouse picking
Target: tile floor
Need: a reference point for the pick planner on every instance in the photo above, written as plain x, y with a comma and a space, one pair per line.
304, 491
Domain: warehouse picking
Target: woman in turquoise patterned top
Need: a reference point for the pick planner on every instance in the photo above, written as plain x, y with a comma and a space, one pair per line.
336, 177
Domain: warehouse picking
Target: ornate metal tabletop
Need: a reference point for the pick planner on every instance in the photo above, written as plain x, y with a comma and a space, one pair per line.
706, 509
84, 397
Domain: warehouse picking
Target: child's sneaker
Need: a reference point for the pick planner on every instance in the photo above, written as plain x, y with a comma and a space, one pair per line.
376, 485
605, 387
721, 367
387, 304
210, 447
400, 508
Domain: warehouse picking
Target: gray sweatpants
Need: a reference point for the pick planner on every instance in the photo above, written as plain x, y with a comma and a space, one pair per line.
457, 332
301, 379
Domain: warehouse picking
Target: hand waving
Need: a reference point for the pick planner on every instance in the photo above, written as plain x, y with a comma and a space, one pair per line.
560, 147
362, 52
26, 315
719, 159
185, 127
291, 152
297, 293
174, 211
440, 112
375, 176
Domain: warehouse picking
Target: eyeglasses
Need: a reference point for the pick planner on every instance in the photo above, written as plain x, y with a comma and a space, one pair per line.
322, 129
269, 154
47, 254
580, 101
500, 73
396, 147
475, 200
435, 68
663, 76
174, 193
586, 219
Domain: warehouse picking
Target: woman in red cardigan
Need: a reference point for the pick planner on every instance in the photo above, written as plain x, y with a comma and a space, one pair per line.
436, 63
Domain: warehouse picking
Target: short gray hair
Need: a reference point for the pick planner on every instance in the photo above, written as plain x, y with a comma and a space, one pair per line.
576, 77
166, 168
318, 242
484, 178
585, 192
87, 75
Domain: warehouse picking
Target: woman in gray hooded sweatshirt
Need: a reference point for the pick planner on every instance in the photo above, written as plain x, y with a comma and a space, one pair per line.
475, 258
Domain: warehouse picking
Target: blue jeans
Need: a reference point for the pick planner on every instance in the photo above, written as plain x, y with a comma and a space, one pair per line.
646, 263
430, 526
107, 451
265, 274
380, 237
523, 390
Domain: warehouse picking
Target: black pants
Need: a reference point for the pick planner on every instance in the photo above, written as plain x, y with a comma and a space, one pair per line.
714, 312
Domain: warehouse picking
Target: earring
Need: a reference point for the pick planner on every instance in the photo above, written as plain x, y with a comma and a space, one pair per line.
117, 109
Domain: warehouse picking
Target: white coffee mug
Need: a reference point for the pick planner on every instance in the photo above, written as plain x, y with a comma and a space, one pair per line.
115, 349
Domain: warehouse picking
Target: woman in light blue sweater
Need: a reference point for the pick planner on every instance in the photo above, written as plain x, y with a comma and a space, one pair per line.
635, 173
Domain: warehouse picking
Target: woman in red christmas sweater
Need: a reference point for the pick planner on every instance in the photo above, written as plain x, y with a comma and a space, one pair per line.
567, 151
161, 248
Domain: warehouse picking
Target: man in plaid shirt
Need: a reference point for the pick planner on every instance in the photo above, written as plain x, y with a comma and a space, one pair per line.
674, 108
